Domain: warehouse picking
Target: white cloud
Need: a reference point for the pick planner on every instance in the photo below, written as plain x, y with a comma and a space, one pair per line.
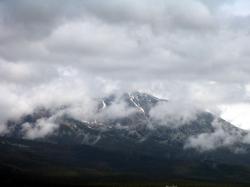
174, 114
40, 129
237, 8
220, 137
237, 114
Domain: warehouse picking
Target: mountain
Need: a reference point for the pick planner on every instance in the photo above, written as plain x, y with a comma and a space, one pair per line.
124, 141
125, 122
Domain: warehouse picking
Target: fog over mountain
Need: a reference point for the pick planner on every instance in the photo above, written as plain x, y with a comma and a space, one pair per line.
69, 53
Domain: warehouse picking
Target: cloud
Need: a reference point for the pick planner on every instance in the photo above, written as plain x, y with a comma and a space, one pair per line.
58, 52
174, 114
118, 109
96, 39
171, 40
40, 129
67, 90
221, 137
237, 114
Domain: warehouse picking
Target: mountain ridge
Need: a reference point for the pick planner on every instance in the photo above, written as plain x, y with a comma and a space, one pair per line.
136, 126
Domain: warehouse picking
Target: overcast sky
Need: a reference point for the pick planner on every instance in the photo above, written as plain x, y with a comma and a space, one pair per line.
191, 50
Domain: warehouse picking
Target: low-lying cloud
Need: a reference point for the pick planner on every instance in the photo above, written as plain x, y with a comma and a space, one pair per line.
40, 129
222, 136
174, 114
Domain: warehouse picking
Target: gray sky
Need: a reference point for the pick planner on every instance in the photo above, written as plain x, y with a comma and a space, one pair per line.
192, 50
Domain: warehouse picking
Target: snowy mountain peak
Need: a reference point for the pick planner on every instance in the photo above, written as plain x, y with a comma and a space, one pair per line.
143, 102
